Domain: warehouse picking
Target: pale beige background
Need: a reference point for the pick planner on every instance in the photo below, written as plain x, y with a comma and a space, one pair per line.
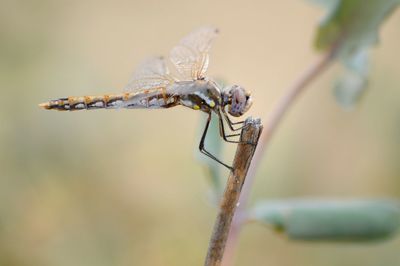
124, 187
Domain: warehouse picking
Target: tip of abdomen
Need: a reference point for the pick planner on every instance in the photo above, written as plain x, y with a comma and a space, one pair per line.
59, 105
45, 105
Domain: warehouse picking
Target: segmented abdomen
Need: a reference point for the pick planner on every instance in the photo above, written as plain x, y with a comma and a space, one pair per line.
85, 102
146, 99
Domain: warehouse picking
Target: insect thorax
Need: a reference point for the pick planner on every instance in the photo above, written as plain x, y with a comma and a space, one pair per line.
198, 95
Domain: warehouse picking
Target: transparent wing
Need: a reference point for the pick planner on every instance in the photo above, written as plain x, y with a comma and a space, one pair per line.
152, 73
190, 56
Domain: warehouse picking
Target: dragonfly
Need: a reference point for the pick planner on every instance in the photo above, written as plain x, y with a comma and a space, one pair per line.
153, 86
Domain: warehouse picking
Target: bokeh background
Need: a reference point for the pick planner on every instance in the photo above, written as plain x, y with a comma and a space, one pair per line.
126, 187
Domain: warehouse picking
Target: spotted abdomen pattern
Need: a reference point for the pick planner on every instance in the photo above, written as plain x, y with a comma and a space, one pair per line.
146, 99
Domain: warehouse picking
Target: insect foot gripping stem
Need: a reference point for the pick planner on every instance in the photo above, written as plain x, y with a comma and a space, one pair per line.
250, 122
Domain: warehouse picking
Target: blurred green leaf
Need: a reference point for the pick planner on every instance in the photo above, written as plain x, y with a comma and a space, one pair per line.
352, 23
353, 26
331, 220
349, 88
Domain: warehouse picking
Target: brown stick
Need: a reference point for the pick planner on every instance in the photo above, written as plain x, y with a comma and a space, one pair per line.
244, 153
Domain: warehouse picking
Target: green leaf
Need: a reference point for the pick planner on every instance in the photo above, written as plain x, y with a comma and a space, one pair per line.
352, 23
349, 88
352, 26
330, 220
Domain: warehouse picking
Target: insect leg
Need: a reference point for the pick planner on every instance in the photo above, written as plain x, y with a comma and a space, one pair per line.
222, 131
223, 134
230, 123
201, 145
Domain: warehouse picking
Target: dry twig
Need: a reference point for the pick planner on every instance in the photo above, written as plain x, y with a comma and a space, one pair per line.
244, 153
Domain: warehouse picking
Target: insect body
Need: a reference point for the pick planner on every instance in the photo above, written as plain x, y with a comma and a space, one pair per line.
152, 86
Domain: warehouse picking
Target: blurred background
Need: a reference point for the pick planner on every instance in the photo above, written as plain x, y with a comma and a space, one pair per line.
125, 187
